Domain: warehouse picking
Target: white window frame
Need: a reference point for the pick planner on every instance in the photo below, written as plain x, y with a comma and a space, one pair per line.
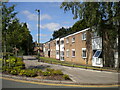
67, 53
84, 49
61, 42
84, 36
67, 40
57, 52
98, 61
72, 52
73, 39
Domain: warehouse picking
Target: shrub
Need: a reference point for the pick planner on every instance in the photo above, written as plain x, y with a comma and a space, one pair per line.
66, 77
13, 72
22, 72
6, 69
39, 72
30, 73
46, 73
18, 68
20, 63
50, 70
57, 72
19, 59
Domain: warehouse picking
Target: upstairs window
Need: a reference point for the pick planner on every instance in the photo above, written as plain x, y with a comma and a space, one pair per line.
73, 39
62, 42
84, 36
57, 42
67, 40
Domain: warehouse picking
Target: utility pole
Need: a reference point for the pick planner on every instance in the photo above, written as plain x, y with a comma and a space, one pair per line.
38, 34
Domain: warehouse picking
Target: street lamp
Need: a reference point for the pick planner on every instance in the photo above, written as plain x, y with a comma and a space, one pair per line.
38, 33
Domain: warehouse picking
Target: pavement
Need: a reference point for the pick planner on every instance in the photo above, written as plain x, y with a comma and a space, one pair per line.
77, 75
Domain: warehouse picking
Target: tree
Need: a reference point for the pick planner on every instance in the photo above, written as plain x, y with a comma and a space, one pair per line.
59, 33
15, 34
100, 16
79, 25
7, 16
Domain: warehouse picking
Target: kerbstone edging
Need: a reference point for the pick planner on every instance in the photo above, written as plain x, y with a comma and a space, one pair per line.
49, 81
36, 79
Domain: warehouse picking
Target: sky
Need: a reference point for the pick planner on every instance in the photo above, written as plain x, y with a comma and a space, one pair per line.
51, 18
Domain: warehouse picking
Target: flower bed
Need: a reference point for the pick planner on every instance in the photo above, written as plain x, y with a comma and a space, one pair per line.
16, 66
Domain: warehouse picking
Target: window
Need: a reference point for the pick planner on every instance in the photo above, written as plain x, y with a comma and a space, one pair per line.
62, 53
73, 39
84, 53
73, 52
62, 42
97, 53
57, 52
67, 53
84, 36
98, 61
57, 42
67, 40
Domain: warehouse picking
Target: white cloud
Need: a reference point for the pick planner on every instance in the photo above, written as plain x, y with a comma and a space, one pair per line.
32, 16
51, 26
45, 16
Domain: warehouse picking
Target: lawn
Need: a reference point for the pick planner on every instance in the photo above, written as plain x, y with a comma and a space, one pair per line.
64, 63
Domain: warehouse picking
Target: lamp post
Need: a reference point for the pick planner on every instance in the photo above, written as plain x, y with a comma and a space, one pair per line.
38, 34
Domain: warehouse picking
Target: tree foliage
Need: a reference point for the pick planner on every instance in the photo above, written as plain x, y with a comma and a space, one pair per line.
14, 33
78, 26
104, 17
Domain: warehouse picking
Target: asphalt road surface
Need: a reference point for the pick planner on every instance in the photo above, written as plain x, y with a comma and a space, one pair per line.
78, 75
14, 84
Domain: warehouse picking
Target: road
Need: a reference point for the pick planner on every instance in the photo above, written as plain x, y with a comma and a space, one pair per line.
13, 83
78, 75
18, 84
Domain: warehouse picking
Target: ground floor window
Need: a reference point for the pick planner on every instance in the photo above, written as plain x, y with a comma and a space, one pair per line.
98, 61
73, 52
84, 55
57, 52
67, 53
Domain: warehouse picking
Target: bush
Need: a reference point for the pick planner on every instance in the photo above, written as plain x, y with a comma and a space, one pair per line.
37, 71
13, 72
66, 77
50, 70
46, 73
57, 72
6, 69
19, 59
18, 68
22, 72
30, 73
20, 63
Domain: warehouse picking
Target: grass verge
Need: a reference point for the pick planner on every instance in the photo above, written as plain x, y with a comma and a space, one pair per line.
64, 63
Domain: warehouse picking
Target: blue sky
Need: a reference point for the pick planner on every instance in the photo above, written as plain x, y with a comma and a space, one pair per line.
51, 17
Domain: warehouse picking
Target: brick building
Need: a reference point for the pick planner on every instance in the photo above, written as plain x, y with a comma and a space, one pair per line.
79, 48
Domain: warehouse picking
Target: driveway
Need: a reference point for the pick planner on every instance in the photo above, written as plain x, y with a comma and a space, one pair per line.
78, 75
